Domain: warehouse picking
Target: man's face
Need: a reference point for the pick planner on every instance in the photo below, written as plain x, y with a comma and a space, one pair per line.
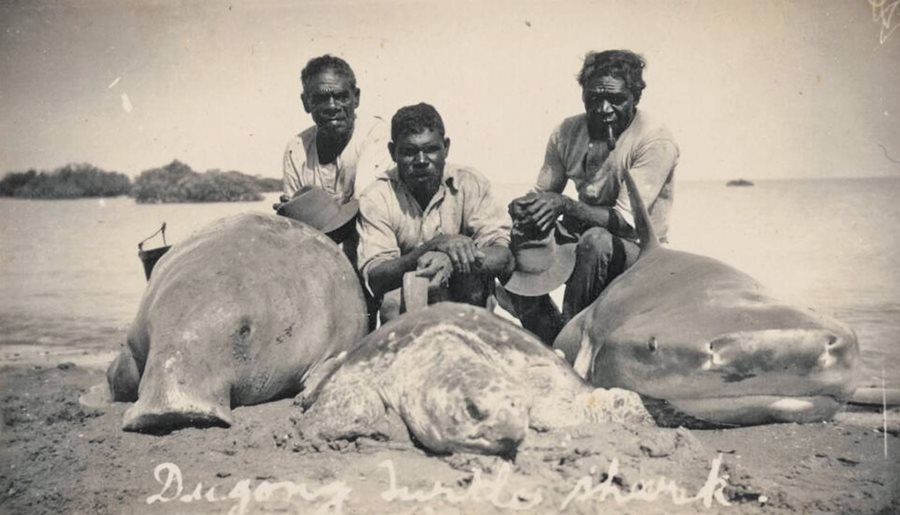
332, 102
608, 102
420, 159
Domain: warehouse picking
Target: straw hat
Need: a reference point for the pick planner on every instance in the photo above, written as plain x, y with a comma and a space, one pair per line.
542, 263
315, 207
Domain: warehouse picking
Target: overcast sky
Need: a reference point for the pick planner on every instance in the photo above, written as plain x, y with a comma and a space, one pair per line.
750, 89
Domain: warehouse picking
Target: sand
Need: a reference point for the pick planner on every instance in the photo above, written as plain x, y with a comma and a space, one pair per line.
58, 457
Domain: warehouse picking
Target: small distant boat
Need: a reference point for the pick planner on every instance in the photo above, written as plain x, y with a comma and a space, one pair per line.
739, 182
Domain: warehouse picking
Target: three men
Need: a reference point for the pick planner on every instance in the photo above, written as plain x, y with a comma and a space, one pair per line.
593, 150
432, 217
440, 220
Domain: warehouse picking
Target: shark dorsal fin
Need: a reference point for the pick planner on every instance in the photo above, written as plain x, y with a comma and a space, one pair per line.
642, 222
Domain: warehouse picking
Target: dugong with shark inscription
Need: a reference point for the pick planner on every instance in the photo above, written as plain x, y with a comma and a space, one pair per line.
709, 341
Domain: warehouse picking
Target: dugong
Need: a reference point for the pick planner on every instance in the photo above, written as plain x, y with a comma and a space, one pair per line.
456, 378
244, 311
707, 339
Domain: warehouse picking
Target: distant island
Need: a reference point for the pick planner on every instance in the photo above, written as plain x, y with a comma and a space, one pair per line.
70, 181
739, 182
174, 182
177, 182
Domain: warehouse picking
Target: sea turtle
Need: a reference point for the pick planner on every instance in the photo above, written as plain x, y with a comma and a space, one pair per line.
455, 377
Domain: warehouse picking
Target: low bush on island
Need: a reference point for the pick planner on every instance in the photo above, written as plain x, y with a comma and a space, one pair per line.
268, 184
175, 182
67, 182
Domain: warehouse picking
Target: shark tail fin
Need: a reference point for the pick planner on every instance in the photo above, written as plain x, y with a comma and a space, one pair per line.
642, 222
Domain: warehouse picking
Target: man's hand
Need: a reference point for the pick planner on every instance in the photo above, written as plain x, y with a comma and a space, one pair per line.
436, 266
282, 200
460, 249
541, 209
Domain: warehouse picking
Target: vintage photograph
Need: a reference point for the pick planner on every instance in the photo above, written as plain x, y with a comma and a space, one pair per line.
449, 256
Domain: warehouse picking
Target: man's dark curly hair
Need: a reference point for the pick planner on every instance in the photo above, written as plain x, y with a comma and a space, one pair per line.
623, 64
317, 65
414, 119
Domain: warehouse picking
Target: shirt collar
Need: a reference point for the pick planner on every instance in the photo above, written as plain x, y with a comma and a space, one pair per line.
449, 181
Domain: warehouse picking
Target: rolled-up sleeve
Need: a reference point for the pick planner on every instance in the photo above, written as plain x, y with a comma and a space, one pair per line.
377, 240
552, 176
291, 176
487, 222
653, 165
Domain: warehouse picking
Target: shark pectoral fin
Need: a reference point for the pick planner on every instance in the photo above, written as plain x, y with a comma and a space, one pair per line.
584, 360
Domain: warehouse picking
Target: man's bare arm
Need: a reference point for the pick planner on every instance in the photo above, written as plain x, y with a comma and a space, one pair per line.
388, 275
597, 216
498, 262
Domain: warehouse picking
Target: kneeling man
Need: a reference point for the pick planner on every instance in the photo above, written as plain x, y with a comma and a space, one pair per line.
432, 217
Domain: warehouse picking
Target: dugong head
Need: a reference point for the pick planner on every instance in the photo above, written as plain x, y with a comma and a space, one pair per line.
205, 355
238, 314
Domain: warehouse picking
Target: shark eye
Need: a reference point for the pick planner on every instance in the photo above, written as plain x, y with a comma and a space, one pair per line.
651, 344
474, 412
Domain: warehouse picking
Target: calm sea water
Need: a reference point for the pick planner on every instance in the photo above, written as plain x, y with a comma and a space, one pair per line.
70, 278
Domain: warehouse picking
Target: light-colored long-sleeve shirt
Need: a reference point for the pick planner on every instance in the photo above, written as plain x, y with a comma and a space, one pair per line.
365, 157
646, 148
391, 222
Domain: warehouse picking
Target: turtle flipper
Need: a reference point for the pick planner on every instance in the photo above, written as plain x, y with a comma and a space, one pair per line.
316, 378
343, 412
613, 405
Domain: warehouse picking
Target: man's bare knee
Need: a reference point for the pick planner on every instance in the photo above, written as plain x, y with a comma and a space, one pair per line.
595, 239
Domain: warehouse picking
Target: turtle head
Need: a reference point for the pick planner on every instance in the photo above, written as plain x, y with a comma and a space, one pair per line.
470, 407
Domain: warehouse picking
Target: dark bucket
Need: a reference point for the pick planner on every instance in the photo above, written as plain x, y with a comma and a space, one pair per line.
150, 257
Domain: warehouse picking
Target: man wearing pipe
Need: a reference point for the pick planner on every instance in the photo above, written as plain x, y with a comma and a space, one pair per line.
593, 150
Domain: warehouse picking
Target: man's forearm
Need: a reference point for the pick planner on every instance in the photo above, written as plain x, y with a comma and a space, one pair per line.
597, 216
388, 275
498, 261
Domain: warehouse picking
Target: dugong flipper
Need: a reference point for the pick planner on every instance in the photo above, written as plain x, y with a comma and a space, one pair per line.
457, 378
710, 341
242, 312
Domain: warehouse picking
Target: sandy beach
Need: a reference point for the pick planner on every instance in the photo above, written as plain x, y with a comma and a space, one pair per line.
58, 457
799, 98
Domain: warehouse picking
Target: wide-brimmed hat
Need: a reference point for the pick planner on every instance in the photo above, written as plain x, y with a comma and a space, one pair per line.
544, 261
315, 207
